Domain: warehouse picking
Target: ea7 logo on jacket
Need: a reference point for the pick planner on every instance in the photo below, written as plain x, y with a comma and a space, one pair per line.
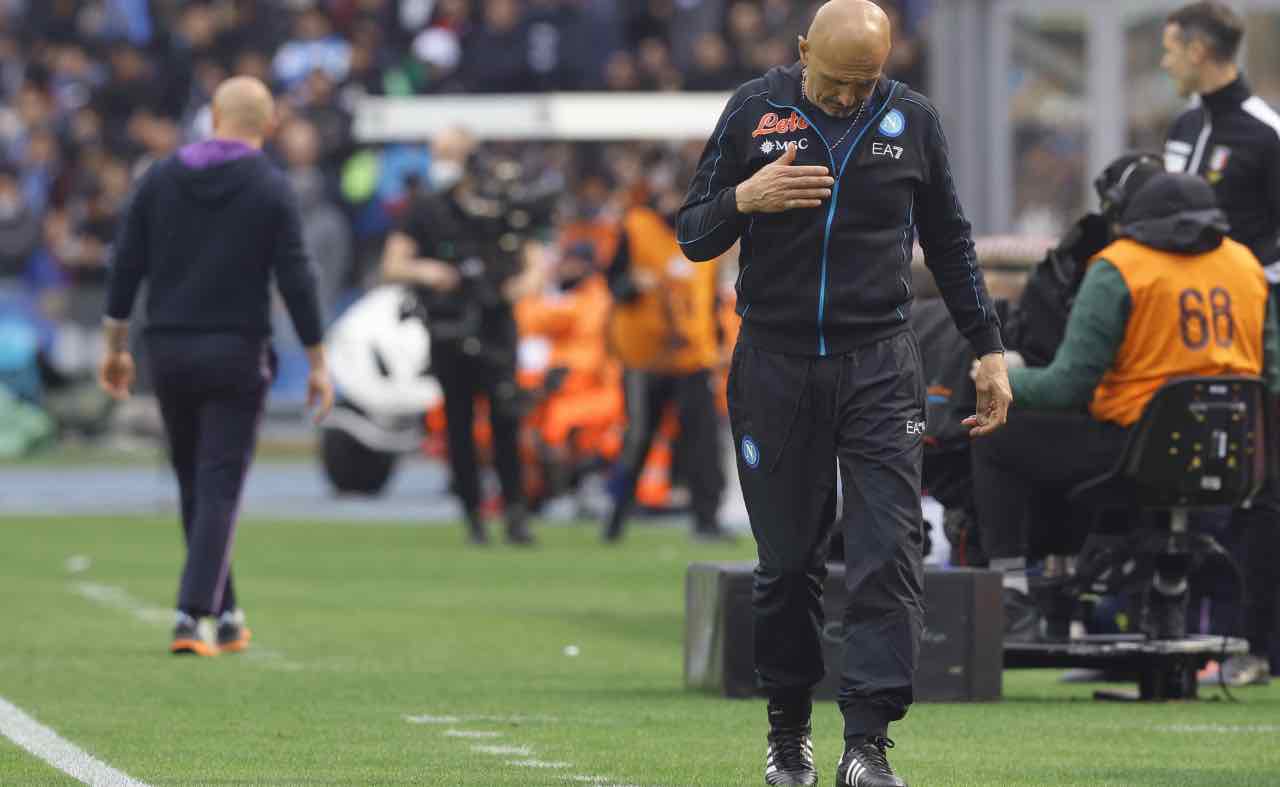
773, 124
885, 149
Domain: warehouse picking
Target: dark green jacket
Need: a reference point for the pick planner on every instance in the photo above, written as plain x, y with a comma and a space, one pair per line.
1095, 330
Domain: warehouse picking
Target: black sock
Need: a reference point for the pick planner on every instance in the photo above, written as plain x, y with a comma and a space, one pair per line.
854, 740
790, 711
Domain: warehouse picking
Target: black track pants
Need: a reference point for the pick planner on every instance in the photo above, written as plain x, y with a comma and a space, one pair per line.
647, 396
795, 420
211, 389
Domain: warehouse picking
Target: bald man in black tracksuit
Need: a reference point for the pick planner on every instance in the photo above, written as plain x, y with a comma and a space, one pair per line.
209, 229
825, 171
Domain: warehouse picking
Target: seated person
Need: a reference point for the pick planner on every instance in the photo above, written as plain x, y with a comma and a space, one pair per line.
1033, 319
1171, 296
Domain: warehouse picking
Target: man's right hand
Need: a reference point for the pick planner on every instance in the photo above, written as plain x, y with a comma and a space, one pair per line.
780, 186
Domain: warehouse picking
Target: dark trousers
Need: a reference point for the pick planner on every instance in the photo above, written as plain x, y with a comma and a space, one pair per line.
1023, 471
647, 395
795, 420
462, 376
212, 389
1258, 528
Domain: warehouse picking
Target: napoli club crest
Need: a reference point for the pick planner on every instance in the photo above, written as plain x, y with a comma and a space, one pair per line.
893, 124
750, 452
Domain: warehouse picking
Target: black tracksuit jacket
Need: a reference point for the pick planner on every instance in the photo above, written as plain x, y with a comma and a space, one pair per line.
1232, 138
821, 281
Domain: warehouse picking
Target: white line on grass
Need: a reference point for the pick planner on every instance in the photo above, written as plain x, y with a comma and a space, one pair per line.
428, 718
59, 752
531, 763
1225, 728
525, 752
503, 751
120, 599
471, 734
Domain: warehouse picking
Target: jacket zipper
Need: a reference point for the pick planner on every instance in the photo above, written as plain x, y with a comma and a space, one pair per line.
835, 196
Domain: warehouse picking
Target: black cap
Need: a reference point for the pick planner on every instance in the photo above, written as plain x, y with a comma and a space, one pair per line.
1167, 193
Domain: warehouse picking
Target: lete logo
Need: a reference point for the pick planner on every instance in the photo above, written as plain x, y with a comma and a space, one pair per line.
773, 124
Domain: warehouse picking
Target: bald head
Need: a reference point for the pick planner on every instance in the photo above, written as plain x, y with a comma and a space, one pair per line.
243, 109
844, 54
452, 143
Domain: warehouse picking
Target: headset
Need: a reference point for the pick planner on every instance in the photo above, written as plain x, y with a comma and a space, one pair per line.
1114, 196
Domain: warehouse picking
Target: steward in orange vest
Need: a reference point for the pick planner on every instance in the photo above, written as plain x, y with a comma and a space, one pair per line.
665, 330
1171, 296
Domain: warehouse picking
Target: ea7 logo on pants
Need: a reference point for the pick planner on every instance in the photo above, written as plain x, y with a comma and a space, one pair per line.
915, 427
885, 149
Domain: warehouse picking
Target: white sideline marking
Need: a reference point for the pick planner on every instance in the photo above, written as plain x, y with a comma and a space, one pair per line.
526, 752
59, 752
120, 599
78, 564
503, 751
537, 764
428, 718
471, 734
1227, 728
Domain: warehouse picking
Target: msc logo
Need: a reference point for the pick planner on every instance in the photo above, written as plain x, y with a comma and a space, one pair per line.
915, 427
885, 149
772, 123
770, 146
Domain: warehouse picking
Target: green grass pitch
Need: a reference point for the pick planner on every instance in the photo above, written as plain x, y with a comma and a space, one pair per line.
361, 627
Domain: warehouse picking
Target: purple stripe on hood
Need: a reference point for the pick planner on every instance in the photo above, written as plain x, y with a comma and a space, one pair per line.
211, 152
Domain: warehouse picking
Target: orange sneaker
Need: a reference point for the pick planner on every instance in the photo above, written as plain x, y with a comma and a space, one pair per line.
187, 640
233, 634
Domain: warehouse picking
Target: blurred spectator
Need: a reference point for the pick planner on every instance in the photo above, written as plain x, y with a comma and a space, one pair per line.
712, 66
326, 233
314, 47
495, 54
620, 73
319, 105
19, 226
657, 70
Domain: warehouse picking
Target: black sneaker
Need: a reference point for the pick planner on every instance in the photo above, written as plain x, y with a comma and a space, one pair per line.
1164, 616
865, 765
790, 757
187, 640
476, 533
614, 526
233, 635
518, 533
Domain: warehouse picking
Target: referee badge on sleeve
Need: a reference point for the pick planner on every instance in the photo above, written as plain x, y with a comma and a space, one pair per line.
750, 452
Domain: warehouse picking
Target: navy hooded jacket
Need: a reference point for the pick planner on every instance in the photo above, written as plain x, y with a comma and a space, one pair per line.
819, 281
209, 228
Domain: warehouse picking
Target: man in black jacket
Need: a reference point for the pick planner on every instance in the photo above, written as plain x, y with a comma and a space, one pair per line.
1232, 138
824, 170
1228, 136
457, 250
208, 229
